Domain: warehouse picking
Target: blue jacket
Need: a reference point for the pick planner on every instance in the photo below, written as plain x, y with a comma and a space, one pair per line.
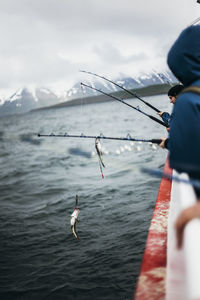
166, 118
184, 137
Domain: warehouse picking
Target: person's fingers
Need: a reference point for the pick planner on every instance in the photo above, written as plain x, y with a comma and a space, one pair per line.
187, 215
162, 144
179, 236
179, 226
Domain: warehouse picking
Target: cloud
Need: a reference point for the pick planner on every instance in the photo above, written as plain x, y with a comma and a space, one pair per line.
46, 42
112, 55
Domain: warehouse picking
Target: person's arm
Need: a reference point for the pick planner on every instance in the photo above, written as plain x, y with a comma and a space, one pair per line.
186, 216
165, 117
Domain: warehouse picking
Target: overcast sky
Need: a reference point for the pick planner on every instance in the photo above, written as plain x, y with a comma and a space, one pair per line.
47, 42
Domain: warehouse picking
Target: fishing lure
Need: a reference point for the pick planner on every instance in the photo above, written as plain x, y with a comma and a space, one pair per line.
74, 218
99, 152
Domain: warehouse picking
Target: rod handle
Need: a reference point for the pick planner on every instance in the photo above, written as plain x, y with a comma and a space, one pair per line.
158, 121
156, 141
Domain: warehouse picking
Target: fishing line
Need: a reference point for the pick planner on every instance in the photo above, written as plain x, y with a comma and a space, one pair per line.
82, 100
121, 87
123, 150
122, 101
114, 164
101, 136
152, 172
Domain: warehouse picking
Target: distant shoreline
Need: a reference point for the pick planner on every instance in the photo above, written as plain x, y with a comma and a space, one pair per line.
151, 90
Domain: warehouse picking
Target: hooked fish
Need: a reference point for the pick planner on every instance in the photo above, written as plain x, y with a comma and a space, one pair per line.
99, 152
74, 218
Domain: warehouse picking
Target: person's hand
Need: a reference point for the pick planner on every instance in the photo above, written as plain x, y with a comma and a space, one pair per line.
186, 216
162, 144
160, 113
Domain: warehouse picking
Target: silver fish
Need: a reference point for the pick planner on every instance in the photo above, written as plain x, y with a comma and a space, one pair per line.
99, 152
74, 218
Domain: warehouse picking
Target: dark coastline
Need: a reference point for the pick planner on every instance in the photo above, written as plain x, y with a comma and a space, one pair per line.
143, 92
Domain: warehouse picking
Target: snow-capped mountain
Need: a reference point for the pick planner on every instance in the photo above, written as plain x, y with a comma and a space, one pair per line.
27, 99
78, 91
24, 100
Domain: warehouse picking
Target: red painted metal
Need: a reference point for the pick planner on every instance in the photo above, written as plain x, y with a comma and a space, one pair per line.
151, 281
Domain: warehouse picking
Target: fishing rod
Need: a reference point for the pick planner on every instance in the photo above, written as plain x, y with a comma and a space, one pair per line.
101, 136
122, 101
158, 173
195, 22
121, 87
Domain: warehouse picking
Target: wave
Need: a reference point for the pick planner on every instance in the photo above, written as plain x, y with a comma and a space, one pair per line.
30, 138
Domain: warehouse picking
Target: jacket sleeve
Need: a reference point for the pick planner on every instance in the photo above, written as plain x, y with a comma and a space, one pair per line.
184, 134
166, 118
167, 143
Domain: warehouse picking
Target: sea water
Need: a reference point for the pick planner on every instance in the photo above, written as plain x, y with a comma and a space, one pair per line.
39, 178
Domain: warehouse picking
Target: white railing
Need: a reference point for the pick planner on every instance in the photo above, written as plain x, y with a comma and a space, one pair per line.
183, 266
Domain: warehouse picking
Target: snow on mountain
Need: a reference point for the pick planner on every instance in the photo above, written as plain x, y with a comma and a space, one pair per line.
26, 99
78, 91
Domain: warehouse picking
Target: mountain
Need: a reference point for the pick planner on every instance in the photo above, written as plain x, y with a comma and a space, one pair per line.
78, 91
26, 99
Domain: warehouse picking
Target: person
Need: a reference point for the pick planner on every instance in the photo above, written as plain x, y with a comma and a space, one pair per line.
172, 94
184, 135
186, 216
